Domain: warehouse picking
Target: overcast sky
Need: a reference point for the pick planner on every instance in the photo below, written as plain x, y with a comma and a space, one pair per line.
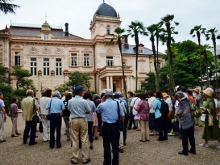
78, 13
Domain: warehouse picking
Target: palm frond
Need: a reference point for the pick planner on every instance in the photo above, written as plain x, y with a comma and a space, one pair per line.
7, 7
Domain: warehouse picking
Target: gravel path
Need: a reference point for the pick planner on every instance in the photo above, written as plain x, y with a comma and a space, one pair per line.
14, 152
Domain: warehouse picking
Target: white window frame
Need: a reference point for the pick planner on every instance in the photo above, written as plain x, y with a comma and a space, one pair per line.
17, 58
86, 59
33, 66
109, 61
46, 66
141, 50
46, 36
73, 59
58, 67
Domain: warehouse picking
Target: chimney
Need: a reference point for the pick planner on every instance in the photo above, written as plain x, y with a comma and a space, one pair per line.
66, 29
126, 45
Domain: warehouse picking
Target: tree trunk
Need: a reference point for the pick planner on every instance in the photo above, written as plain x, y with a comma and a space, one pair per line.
216, 75
136, 50
122, 66
157, 71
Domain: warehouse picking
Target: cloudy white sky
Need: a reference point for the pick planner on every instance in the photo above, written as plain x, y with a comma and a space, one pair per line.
78, 13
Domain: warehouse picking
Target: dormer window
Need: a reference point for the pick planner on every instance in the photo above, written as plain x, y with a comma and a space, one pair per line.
141, 50
108, 29
45, 36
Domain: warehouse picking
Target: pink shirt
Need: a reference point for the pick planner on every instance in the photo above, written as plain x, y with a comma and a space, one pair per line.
143, 109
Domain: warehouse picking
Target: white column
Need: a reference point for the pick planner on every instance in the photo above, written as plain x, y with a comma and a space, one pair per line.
111, 83
131, 85
128, 83
100, 86
107, 82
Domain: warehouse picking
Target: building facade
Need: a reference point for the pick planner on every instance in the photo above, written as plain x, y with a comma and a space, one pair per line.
51, 53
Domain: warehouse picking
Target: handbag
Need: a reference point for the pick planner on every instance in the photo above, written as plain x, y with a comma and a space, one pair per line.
210, 119
175, 125
120, 122
203, 117
35, 118
137, 117
170, 114
48, 115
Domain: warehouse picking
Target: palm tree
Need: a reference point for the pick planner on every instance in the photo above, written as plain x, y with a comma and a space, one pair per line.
154, 31
136, 28
198, 30
6, 7
212, 33
167, 37
120, 36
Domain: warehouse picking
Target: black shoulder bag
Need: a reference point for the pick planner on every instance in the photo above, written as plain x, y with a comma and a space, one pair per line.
48, 115
120, 123
35, 118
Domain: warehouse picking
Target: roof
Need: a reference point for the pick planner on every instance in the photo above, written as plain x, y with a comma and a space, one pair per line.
131, 50
35, 31
106, 10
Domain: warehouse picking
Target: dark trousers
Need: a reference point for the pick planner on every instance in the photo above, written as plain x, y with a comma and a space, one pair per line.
188, 134
90, 132
152, 122
162, 127
125, 129
110, 135
29, 126
131, 120
55, 123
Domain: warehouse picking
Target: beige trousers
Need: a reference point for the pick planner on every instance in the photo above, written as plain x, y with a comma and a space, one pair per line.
121, 140
145, 133
79, 126
14, 125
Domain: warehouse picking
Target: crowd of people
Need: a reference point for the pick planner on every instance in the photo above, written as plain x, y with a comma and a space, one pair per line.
110, 115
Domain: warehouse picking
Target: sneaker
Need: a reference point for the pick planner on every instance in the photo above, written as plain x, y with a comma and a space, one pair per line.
204, 145
218, 147
171, 134
2, 141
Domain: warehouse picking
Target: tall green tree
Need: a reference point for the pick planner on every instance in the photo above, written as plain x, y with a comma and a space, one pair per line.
5, 86
22, 77
6, 7
62, 88
211, 33
78, 78
149, 83
185, 65
120, 35
196, 32
167, 37
154, 31
135, 29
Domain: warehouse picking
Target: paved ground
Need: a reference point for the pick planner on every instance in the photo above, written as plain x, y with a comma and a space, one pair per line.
135, 153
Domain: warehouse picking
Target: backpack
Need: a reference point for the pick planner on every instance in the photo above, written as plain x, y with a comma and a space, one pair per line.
9, 111
164, 108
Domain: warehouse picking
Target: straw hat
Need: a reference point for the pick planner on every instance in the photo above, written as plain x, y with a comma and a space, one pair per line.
165, 95
208, 91
196, 90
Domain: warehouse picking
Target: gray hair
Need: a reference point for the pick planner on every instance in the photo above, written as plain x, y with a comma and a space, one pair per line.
56, 94
1, 93
179, 95
29, 92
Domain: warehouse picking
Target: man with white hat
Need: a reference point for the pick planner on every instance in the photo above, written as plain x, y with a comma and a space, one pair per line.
110, 131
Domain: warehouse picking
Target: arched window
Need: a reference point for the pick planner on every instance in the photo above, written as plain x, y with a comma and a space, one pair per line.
108, 29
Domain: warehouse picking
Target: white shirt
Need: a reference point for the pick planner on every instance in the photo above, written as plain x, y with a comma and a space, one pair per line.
134, 103
150, 102
169, 102
43, 102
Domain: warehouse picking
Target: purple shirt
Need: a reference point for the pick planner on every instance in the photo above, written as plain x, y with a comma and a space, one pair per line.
143, 109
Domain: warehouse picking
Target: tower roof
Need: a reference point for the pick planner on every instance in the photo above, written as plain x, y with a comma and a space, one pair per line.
106, 10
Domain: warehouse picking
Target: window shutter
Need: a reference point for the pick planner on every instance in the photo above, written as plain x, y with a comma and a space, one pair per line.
21, 59
70, 60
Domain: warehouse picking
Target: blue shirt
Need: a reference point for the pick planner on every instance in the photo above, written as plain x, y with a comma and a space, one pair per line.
56, 106
78, 107
1, 105
109, 111
156, 106
89, 116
